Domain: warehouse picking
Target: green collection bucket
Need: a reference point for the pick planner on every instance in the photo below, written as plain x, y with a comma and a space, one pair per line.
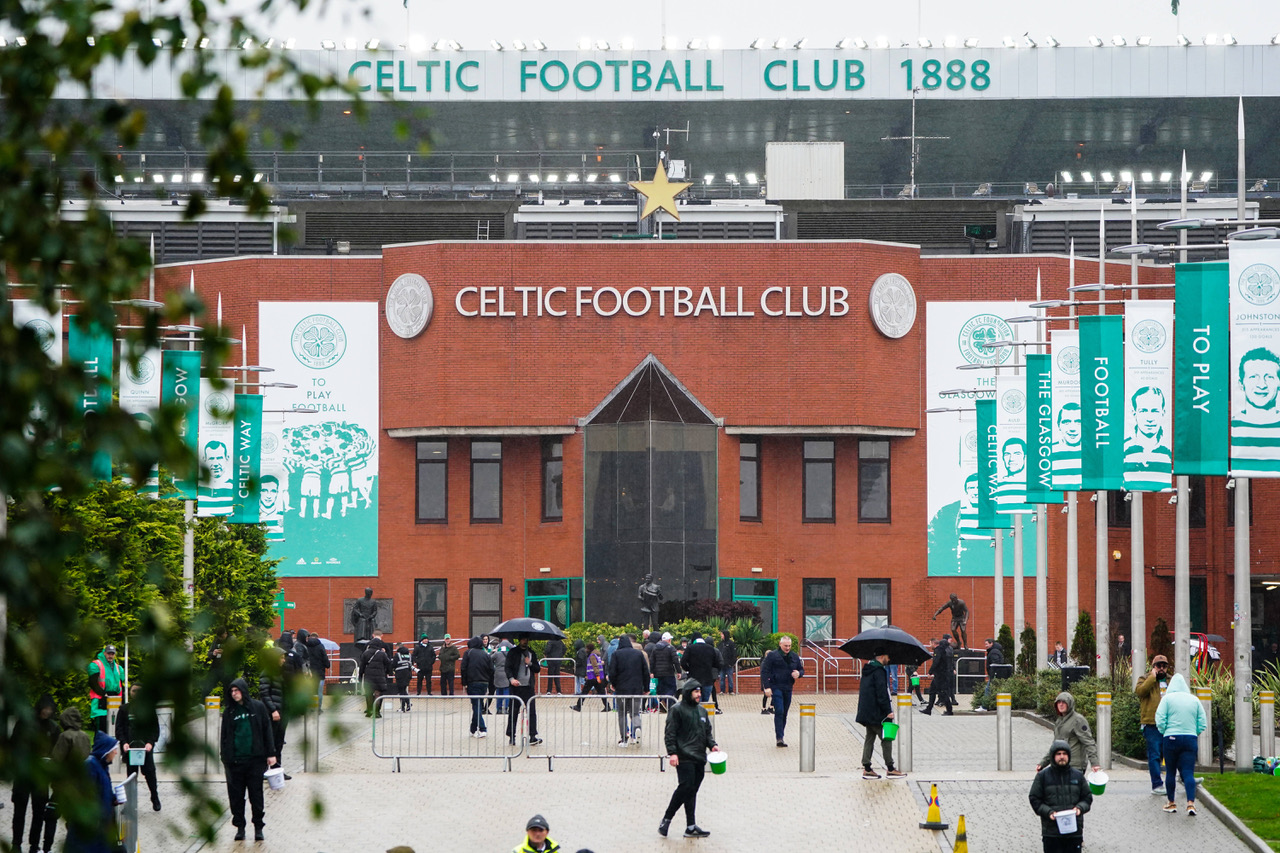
1097, 782
889, 730
718, 762
915, 681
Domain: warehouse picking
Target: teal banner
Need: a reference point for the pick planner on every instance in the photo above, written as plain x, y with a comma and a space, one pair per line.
1040, 431
93, 350
989, 468
1201, 368
247, 470
180, 386
1102, 401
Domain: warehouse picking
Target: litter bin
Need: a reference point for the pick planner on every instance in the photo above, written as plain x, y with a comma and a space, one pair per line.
1072, 674
1001, 670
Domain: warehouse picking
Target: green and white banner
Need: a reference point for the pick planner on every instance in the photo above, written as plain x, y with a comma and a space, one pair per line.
271, 495
1102, 401
1202, 366
1148, 389
1040, 431
247, 456
326, 463
217, 436
140, 397
93, 350
959, 542
1010, 487
989, 517
1255, 358
47, 326
1068, 423
180, 386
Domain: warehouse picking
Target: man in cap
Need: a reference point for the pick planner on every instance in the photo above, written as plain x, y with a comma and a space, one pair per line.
106, 678
874, 709
536, 839
1149, 691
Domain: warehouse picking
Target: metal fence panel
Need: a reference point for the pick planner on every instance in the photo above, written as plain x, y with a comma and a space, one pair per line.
440, 727
594, 733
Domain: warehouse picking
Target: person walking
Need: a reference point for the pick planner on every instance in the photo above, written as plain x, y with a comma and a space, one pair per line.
139, 729
665, 666
939, 685
31, 743
551, 655
106, 678
700, 662
595, 678
247, 749
522, 673
536, 839
377, 666
424, 658
1149, 692
318, 661
501, 684
477, 676
69, 752
779, 672
1057, 789
271, 690
629, 678
579, 665
1072, 727
1180, 717
728, 661
875, 706
404, 672
448, 658
99, 834
688, 737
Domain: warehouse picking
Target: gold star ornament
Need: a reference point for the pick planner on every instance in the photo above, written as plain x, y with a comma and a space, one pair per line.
659, 194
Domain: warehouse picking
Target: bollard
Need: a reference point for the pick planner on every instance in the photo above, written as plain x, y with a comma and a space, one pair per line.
808, 737
311, 736
1267, 710
1104, 731
903, 719
212, 706
710, 708
113, 711
1004, 731
1204, 743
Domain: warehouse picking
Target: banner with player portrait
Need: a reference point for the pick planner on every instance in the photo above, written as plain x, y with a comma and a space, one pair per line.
1202, 367
1102, 401
1148, 390
217, 437
1068, 420
1255, 358
247, 455
140, 397
180, 386
1010, 486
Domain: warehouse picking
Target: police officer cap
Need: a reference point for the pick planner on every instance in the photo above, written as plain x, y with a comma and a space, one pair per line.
537, 822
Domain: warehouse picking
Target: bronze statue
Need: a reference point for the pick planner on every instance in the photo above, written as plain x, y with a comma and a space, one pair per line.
650, 596
959, 619
364, 616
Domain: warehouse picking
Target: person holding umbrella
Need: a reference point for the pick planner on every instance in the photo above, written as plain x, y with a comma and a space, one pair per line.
522, 672
875, 707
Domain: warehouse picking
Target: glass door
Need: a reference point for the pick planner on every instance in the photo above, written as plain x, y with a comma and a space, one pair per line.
557, 601
762, 593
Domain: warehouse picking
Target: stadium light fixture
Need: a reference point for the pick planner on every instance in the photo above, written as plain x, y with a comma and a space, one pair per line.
1206, 176
1066, 177
695, 44
553, 178
495, 44
197, 177
925, 41
801, 43
1227, 38
752, 179
970, 42
348, 44
21, 41
628, 43
1028, 41
159, 179
1095, 41
571, 178
1108, 177
1211, 38
1166, 176
1118, 41
882, 42
844, 44
758, 44
328, 44
371, 44
861, 43
780, 43
1051, 41
1183, 41
493, 178
518, 44
1147, 177
1275, 39
584, 43
713, 43
1126, 176
243, 45
1008, 41
538, 44
513, 178
708, 179
175, 178
615, 178
1087, 177
270, 43
949, 41
1144, 41
289, 43
533, 178
591, 177
731, 178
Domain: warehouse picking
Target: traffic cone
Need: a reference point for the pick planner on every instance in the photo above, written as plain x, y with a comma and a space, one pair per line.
933, 818
962, 840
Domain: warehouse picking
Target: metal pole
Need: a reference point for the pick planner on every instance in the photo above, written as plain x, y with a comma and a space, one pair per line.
1004, 731
1267, 721
1204, 743
998, 542
1182, 522
1137, 591
1073, 565
903, 719
1104, 731
1102, 588
808, 737
1042, 585
1243, 645
1019, 603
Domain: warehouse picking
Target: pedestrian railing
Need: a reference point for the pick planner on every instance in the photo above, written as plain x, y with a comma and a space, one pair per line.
829, 667
594, 733
544, 678
342, 670
128, 815
440, 727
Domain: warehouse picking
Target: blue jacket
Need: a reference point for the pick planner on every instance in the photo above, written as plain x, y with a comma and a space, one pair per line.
775, 670
100, 783
1180, 713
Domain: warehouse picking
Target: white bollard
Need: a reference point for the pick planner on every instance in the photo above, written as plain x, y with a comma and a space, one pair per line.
903, 718
1004, 731
808, 737
212, 733
1104, 731
1204, 744
1267, 711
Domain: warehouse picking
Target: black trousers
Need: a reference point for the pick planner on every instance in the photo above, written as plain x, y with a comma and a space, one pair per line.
689, 775
1063, 844
43, 821
446, 683
245, 777
424, 673
148, 772
940, 690
402, 687
589, 686
278, 728
513, 713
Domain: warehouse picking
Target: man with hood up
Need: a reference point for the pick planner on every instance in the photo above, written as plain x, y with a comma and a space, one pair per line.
1180, 718
688, 737
247, 749
34, 738
1060, 788
69, 750
628, 676
501, 684
102, 829
424, 658
477, 675
874, 708
318, 660
1072, 727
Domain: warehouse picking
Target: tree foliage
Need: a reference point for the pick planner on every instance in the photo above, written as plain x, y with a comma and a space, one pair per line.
1005, 638
1084, 647
1026, 664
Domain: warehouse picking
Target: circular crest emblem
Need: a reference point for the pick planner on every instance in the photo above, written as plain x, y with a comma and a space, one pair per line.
1149, 336
218, 405
270, 443
971, 440
538, 626
409, 305
143, 373
1069, 360
893, 305
43, 330
983, 329
318, 341
1013, 401
1259, 284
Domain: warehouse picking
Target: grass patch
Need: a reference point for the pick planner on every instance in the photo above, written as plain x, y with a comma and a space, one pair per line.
1252, 797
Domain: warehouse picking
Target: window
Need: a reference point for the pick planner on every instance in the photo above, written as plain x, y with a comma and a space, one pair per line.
429, 608
749, 480
873, 481
486, 482
486, 605
819, 609
552, 479
819, 481
433, 482
1119, 510
873, 603
1231, 506
1195, 512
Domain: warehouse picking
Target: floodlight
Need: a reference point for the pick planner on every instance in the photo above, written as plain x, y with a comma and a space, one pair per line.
1095, 41
1066, 177
1118, 41
553, 178
513, 178
1147, 177
1166, 175
843, 44
780, 43
1087, 177
970, 42
1126, 176
860, 43
882, 42
1183, 41
1206, 176
758, 44
1144, 41
1108, 177
571, 178
197, 177
371, 44
1008, 41
800, 44
1028, 41
615, 178
925, 42
1228, 39
1051, 41
1211, 38
495, 44
584, 43
949, 41
538, 44
328, 44
706, 179
517, 44
349, 44
752, 178
158, 179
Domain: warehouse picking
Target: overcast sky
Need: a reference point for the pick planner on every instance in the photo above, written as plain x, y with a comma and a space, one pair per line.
561, 23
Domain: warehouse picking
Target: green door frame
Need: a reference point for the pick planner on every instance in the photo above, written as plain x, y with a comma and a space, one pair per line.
771, 600
550, 601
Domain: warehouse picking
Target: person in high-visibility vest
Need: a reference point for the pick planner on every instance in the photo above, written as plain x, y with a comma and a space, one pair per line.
106, 678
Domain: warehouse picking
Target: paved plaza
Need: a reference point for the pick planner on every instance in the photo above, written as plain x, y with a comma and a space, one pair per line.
613, 804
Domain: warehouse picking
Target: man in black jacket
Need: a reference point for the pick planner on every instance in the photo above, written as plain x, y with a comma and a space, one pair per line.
318, 660
875, 707
700, 662
247, 751
688, 737
424, 658
628, 676
728, 660
377, 666
940, 669
271, 683
779, 671
1059, 788
665, 665
522, 674
477, 676
138, 731
551, 656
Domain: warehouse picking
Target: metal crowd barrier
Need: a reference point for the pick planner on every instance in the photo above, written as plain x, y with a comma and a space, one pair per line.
812, 669
543, 678
335, 671
128, 815
440, 727
592, 733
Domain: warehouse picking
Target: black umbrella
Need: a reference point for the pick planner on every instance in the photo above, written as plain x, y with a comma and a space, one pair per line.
902, 647
524, 626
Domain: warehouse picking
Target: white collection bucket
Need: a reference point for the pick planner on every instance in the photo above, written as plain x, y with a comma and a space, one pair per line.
275, 778
122, 796
1066, 822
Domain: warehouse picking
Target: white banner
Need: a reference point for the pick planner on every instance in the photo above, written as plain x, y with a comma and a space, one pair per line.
1148, 395
325, 518
1010, 493
1255, 358
1067, 423
217, 437
140, 396
48, 327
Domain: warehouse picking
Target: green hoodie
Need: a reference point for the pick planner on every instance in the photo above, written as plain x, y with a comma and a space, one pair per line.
1074, 729
1180, 713
106, 678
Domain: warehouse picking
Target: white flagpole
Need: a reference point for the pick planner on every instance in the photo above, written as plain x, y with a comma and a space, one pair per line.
1243, 622
1102, 555
1073, 519
1137, 528
1182, 525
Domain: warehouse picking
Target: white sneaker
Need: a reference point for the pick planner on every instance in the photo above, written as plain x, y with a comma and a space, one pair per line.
482, 734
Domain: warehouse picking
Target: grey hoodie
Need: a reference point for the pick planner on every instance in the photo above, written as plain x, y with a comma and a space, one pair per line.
1074, 729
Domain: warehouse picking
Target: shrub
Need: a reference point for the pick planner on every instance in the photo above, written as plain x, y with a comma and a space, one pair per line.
729, 611
1267, 678
1026, 664
1084, 646
1219, 679
749, 638
1005, 639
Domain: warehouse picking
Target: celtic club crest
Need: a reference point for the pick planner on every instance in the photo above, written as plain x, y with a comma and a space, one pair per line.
43, 330
893, 305
409, 305
1069, 360
1013, 401
218, 405
971, 440
143, 373
1149, 336
978, 332
270, 443
1259, 284
318, 341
